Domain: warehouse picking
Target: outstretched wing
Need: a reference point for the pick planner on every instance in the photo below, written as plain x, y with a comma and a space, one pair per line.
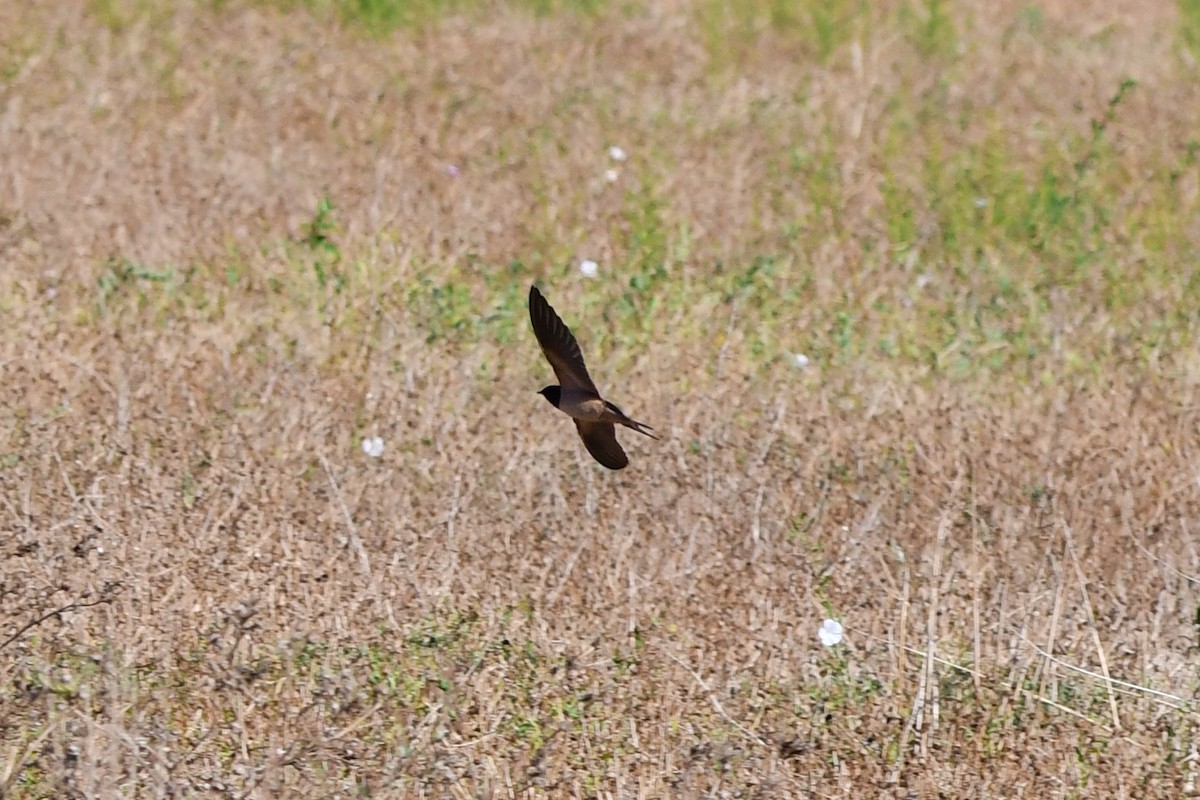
559, 345
600, 439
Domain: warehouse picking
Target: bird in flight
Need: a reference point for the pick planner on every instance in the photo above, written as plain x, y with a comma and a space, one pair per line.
577, 396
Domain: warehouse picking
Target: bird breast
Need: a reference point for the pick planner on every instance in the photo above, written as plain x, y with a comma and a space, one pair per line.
582, 406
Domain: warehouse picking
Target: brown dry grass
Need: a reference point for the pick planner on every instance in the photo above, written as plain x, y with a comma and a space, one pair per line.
483, 611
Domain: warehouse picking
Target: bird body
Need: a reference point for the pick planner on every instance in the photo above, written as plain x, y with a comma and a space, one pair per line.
577, 395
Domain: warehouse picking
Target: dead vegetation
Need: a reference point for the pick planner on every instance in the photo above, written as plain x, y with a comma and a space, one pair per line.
248, 606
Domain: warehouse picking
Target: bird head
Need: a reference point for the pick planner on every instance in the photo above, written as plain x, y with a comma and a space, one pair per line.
552, 393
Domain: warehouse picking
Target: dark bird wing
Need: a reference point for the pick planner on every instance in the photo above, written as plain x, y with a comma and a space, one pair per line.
560, 348
600, 439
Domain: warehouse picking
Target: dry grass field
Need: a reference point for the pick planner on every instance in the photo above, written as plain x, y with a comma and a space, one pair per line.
909, 289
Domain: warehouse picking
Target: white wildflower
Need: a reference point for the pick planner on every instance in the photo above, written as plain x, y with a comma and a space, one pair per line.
373, 446
830, 633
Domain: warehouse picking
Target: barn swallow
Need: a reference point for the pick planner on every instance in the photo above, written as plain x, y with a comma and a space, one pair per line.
577, 396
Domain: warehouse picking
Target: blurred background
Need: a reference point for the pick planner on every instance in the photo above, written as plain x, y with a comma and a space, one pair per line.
909, 289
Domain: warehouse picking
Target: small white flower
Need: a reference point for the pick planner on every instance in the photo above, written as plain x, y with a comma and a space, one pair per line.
589, 268
373, 446
923, 280
611, 175
616, 153
800, 360
453, 171
830, 633
981, 202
